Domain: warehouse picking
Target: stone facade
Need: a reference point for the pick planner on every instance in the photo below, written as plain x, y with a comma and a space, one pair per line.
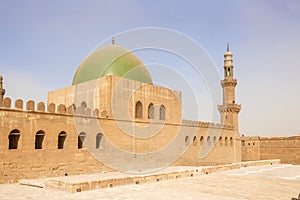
25, 159
287, 149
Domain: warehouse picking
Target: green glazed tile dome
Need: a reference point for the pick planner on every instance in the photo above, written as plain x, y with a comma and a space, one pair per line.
112, 60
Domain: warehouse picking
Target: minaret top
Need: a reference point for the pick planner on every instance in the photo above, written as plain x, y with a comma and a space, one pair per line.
113, 40
228, 62
2, 90
1, 79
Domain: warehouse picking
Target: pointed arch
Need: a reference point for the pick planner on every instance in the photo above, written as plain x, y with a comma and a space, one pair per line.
195, 141
13, 138
208, 140
81, 138
99, 137
186, 140
138, 109
39, 138
61, 139
201, 140
162, 112
151, 111
215, 139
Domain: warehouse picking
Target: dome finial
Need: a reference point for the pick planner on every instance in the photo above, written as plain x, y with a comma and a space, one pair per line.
2, 90
113, 40
227, 46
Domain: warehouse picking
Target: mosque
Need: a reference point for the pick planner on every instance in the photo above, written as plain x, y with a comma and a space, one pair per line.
113, 117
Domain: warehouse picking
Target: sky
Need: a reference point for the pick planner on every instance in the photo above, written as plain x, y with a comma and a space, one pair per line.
43, 42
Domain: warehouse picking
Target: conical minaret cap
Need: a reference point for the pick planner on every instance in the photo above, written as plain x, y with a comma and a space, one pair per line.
228, 57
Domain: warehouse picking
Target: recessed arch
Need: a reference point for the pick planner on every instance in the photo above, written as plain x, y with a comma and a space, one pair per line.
138, 109
151, 111
215, 139
39, 138
220, 140
201, 140
99, 138
243, 143
195, 140
81, 138
13, 138
162, 112
83, 105
208, 140
186, 140
61, 139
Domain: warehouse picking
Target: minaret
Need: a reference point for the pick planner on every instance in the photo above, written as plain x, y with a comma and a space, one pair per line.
113, 40
2, 91
229, 110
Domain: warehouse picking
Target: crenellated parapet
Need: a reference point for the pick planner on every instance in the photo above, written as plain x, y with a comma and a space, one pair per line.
42, 107
204, 124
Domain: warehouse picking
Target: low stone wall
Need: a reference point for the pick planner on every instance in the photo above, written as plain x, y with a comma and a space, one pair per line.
112, 179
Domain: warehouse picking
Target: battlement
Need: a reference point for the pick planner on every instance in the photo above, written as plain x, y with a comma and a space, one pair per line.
205, 124
83, 110
269, 138
49, 108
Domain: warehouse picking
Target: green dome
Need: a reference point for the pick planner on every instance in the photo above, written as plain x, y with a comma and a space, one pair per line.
112, 60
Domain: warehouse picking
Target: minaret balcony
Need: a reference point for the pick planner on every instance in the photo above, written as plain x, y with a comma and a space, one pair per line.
233, 108
228, 82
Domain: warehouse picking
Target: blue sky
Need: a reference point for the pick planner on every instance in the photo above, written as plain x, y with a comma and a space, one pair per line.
43, 42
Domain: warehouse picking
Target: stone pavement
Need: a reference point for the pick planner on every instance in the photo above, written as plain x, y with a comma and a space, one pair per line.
259, 182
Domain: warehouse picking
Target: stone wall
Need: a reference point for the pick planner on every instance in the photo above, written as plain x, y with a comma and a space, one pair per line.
250, 148
287, 149
26, 161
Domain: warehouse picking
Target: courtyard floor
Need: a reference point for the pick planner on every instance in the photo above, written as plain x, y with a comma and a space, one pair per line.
280, 181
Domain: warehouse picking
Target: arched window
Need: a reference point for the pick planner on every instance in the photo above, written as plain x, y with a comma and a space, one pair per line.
13, 138
220, 140
231, 141
74, 107
186, 140
208, 140
83, 105
151, 111
215, 139
99, 137
138, 110
61, 139
82, 108
81, 138
195, 141
162, 112
39, 138
226, 141
243, 143
201, 140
